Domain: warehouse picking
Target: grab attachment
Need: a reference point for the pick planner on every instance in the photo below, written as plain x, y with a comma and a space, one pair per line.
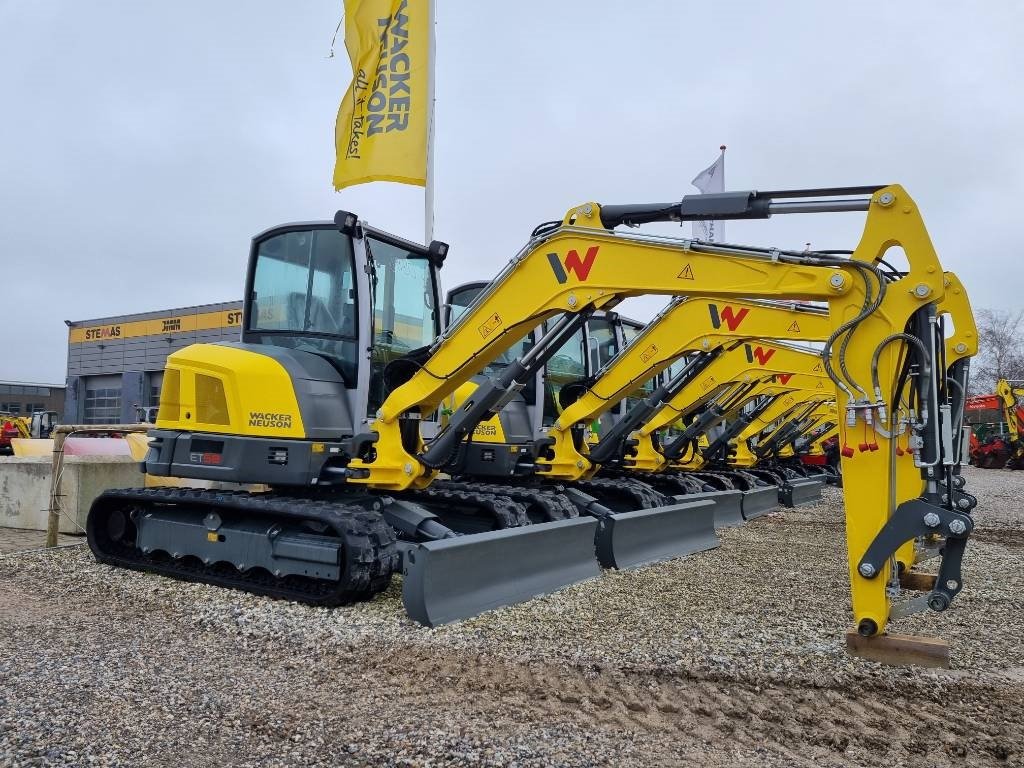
460, 577
911, 520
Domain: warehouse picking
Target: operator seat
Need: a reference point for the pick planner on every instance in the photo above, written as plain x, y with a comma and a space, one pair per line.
320, 318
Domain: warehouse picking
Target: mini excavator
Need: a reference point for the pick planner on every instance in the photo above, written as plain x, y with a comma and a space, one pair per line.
577, 396
329, 399
782, 430
727, 393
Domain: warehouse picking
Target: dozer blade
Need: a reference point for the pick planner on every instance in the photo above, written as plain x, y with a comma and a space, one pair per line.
796, 493
633, 539
456, 578
728, 505
760, 501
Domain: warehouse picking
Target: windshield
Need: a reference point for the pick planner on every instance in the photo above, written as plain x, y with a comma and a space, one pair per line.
603, 344
404, 309
630, 330
565, 367
303, 296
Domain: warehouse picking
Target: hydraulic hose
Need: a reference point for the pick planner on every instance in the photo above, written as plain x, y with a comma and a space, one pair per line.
849, 335
925, 358
871, 302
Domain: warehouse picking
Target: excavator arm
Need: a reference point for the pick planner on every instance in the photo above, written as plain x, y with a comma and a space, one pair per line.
781, 410
760, 368
692, 325
1008, 392
778, 443
578, 266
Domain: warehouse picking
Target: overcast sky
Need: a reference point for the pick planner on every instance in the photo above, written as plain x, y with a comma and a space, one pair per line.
143, 144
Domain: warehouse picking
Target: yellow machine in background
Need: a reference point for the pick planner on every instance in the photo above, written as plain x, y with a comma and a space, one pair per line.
689, 325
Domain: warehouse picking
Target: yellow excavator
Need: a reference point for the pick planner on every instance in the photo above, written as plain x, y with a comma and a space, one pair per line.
329, 398
516, 443
692, 431
792, 416
749, 384
37, 425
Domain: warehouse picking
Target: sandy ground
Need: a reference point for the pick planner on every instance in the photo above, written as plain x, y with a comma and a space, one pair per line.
730, 657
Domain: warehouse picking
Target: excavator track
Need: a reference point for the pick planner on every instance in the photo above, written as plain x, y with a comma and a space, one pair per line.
471, 509
542, 504
718, 480
673, 483
623, 494
352, 527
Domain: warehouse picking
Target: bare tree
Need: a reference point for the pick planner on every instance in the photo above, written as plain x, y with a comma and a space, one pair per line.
1000, 348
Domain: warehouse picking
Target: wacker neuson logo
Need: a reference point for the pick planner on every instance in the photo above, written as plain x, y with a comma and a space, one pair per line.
270, 420
573, 264
727, 314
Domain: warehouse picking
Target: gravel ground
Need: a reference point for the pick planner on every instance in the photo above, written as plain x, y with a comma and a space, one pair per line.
20, 539
731, 657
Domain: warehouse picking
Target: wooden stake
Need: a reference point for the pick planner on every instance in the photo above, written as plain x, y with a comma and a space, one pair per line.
918, 582
900, 650
53, 518
59, 435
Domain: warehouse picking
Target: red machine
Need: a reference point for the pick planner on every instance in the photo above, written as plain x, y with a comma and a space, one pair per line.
997, 423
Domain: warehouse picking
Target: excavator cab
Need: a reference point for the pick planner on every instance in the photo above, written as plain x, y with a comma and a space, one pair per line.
280, 406
316, 289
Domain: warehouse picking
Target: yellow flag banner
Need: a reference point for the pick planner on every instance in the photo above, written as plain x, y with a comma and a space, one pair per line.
381, 133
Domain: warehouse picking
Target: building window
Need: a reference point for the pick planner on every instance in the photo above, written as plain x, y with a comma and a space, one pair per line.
103, 406
154, 395
12, 408
35, 407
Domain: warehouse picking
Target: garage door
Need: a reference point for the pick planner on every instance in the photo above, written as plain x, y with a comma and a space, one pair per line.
102, 400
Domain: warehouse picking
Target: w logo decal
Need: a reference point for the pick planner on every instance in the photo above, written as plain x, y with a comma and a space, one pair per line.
731, 317
760, 354
782, 378
573, 263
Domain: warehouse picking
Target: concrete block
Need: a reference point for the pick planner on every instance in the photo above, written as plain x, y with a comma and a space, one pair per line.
25, 488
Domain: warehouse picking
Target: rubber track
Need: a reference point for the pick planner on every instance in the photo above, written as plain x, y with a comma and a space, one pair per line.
675, 483
688, 481
741, 479
546, 501
641, 495
371, 555
751, 480
507, 512
713, 478
768, 475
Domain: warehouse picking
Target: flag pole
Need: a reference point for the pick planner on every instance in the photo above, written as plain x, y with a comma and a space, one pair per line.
428, 188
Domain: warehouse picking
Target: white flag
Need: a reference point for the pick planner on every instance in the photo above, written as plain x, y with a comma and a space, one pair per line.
711, 179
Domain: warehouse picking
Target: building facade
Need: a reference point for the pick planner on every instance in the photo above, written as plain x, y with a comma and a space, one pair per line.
116, 364
23, 398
